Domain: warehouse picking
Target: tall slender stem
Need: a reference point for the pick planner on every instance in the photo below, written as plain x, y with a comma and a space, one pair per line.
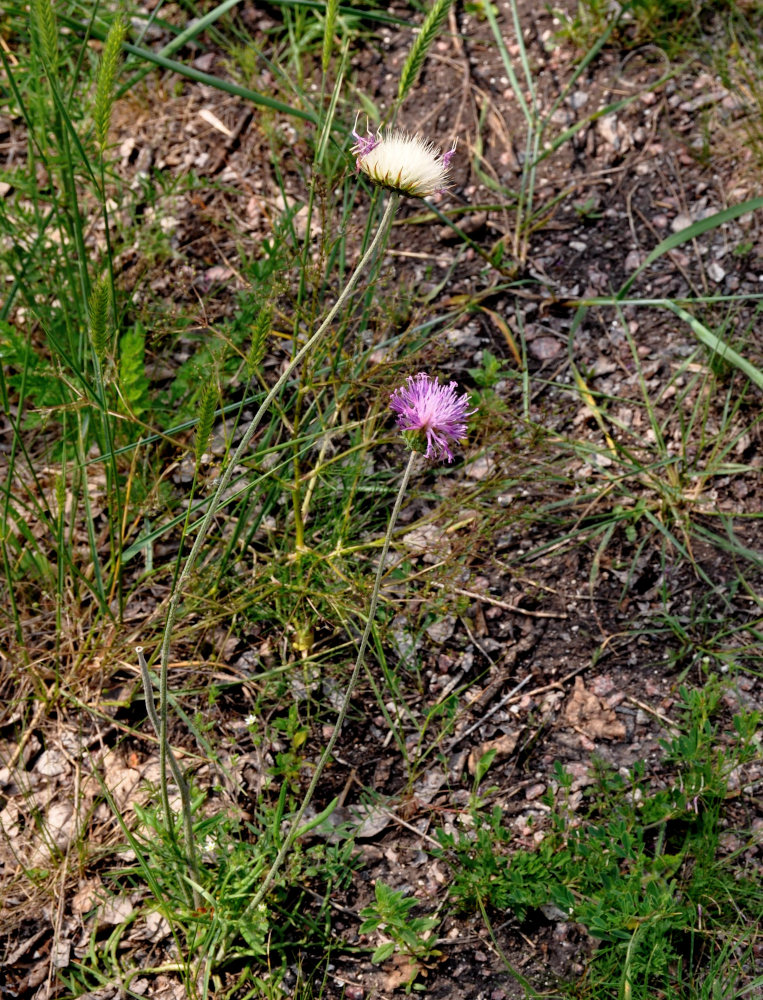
214, 503
328, 750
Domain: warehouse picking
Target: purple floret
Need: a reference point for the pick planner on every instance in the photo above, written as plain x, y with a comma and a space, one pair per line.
364, 143
447, 157
435, 410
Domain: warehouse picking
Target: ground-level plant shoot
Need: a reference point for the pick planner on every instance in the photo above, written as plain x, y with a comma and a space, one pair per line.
381, 516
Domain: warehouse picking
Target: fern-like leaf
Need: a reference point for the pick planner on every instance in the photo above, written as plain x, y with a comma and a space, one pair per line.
430, 29
107, 74
133, 383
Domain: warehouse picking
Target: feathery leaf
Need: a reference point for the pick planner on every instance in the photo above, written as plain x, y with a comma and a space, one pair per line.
133, 384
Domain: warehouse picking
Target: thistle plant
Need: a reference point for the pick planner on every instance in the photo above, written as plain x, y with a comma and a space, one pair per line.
181, 580
431, 415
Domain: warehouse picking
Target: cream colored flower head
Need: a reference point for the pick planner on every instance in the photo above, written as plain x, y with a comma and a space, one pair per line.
402, 162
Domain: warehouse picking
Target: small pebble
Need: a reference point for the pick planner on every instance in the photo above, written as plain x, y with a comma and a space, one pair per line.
681, 221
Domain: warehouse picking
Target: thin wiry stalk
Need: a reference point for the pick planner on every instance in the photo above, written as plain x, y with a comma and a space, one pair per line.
214, 503
294, 829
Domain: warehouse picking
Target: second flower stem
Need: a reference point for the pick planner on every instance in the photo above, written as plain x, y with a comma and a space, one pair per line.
329, 748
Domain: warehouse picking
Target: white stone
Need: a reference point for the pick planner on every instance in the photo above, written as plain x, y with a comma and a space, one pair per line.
715, 272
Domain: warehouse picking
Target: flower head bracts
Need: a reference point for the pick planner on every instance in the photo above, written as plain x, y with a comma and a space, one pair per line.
433, 411
404, 163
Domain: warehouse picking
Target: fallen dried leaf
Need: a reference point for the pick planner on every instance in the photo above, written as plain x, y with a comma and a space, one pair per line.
399, 971
116, 910
503, 746
586, 712
87, 896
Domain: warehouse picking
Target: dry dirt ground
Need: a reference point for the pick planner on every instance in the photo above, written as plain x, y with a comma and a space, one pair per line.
549, 668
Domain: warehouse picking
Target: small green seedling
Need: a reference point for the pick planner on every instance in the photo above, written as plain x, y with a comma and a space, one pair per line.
391, 914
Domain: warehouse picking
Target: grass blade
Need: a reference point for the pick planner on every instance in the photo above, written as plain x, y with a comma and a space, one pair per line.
690, 233
717, 345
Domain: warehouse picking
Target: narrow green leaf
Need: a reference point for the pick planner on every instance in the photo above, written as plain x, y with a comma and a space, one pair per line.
718, 346
320, 818
196, 27
383, 952
690, 233
213, 81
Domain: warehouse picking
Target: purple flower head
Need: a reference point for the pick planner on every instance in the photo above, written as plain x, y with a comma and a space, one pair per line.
447, 157
425, 407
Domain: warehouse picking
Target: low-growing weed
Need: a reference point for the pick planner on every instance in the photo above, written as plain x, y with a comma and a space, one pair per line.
671, 25
223, 931
411, 936
639, 865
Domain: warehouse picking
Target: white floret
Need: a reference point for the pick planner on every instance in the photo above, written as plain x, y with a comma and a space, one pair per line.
406, 163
